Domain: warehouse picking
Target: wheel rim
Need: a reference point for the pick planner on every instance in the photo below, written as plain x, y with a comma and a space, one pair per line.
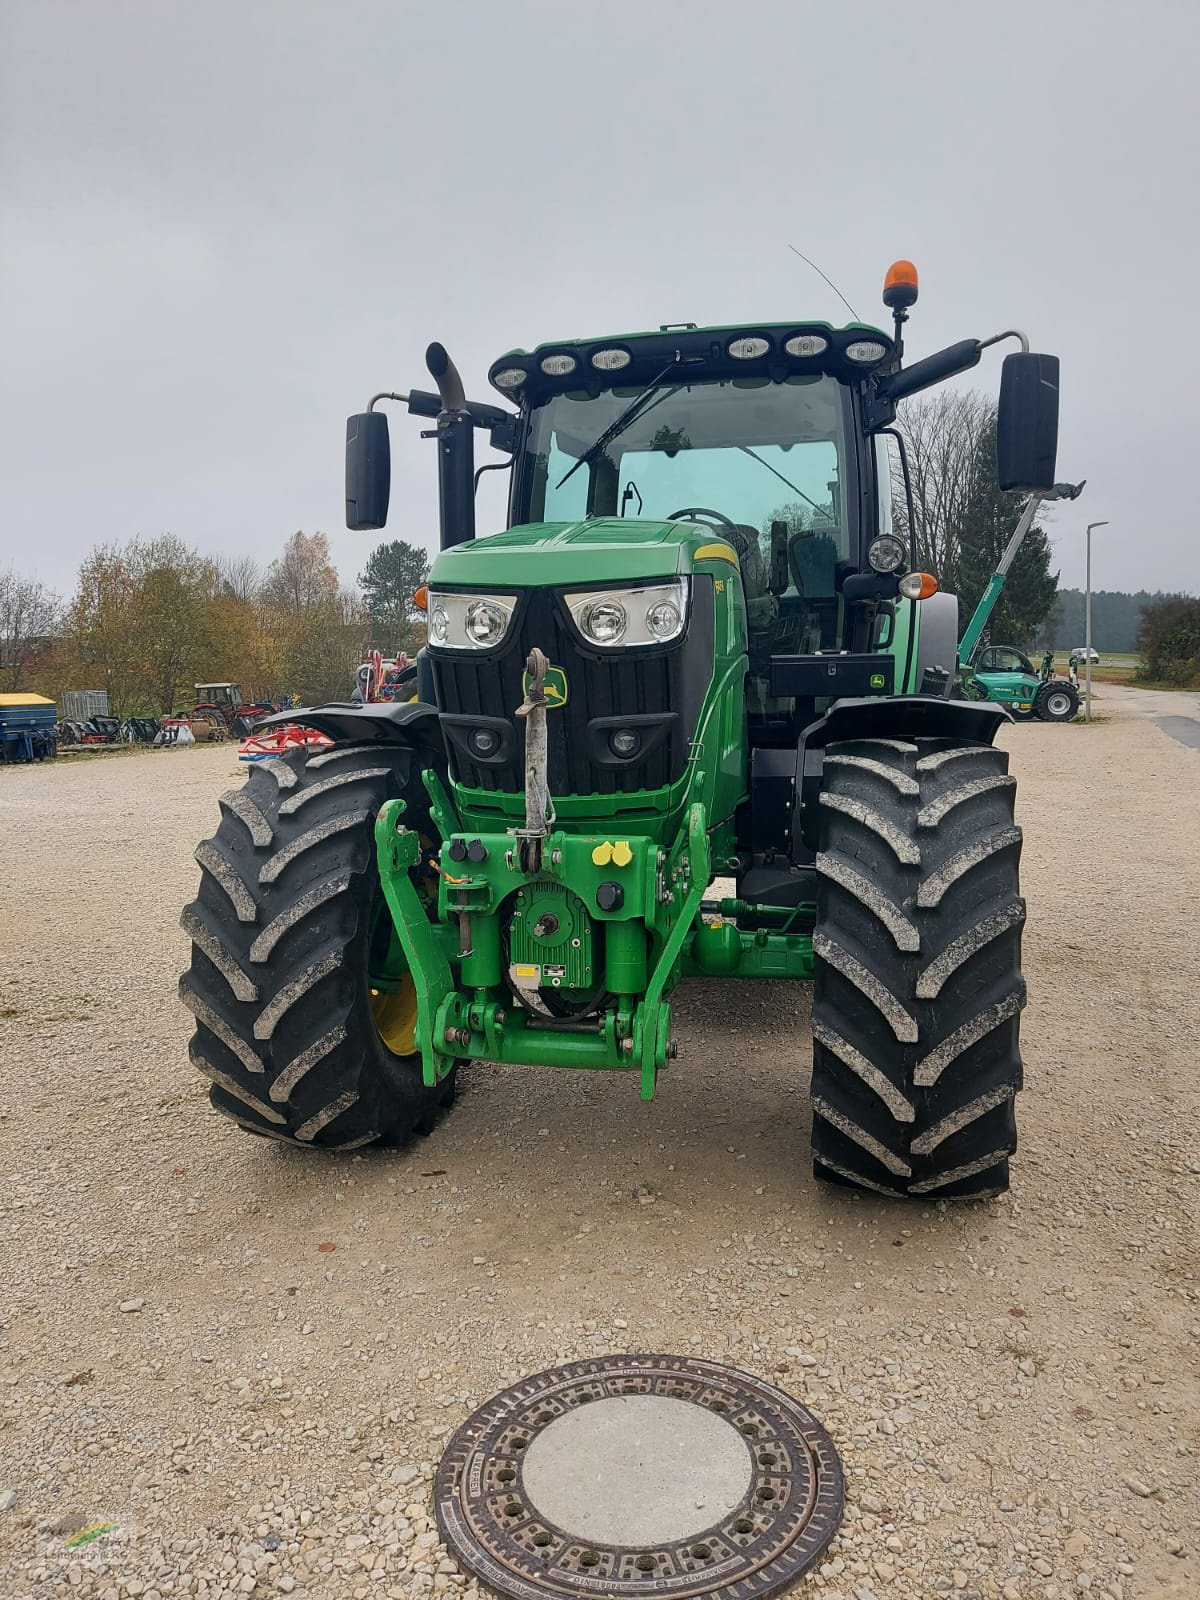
391, 991
394, 1013
1058, 705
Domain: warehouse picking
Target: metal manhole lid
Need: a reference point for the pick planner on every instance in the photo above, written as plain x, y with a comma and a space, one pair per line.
639, 1475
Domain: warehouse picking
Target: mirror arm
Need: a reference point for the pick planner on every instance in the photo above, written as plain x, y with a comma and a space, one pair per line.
1010, 333
422, 404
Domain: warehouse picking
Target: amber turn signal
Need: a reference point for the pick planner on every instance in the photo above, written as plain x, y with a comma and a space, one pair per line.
918, 585
421, 597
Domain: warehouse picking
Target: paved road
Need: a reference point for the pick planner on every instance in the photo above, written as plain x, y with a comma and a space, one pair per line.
1175, 711
1152, 703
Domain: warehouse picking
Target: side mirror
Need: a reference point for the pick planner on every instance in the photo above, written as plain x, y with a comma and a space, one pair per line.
1027, 422
780, 577
368, 470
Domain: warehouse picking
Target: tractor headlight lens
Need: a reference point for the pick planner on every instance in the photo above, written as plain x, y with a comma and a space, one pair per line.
510, 378
486, 622
604, 621
663, 619
886, 554
558, 366
864, 351
469, 621
483, 742
649, 614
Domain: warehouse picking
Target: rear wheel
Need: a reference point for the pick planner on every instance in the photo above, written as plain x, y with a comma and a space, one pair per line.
918, 988
1057, 702
305, 1009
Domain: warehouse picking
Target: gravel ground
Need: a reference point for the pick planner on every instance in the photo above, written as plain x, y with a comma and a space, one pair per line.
249, 1358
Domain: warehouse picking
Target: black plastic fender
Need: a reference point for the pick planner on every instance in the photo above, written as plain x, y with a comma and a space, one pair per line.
910, 716
405, 722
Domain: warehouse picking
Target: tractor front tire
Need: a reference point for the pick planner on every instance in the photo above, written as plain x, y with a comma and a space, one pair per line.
1057, 702
918, 991
288, 926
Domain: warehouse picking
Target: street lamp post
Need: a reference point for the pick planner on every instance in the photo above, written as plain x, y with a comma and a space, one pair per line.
1087, 623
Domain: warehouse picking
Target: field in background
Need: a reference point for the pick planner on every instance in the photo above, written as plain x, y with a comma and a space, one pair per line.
1111, 668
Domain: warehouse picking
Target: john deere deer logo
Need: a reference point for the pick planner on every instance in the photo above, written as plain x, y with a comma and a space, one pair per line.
554, 687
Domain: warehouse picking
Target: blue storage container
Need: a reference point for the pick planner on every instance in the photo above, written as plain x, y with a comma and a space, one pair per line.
27, 723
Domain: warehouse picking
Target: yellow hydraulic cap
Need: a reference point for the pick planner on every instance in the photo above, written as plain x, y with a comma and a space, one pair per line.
622, 855
602, 854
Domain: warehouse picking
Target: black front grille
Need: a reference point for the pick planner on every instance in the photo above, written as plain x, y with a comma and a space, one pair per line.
600, 684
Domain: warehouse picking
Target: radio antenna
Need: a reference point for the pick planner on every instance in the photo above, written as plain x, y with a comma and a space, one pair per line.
829, 281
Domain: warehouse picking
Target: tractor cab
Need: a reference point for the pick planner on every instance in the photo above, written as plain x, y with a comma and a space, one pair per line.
753, 437
1004, 658
226, 696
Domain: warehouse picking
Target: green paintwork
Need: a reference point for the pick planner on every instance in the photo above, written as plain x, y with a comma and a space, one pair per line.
1014, 685
979, 617
550, 941
1017, 689
398, 849
719, 949
902, 646
471, 1015
655, 937
577, 554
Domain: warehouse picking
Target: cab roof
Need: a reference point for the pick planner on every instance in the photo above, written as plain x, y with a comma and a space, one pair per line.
770, 350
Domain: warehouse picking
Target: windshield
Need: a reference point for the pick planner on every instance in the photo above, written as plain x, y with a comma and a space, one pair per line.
749, 450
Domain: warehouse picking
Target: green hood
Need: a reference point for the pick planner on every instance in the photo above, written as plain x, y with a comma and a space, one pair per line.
600, 550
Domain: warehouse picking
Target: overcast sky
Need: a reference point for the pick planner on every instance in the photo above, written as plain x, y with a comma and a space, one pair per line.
224, 226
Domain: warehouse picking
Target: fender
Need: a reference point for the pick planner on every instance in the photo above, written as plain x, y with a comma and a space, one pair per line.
406, 722
911, 716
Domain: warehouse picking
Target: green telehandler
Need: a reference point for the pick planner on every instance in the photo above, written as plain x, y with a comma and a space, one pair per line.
700, 651
1002, 672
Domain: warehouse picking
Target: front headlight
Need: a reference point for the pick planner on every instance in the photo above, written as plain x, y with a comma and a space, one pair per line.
651, 614
469, 621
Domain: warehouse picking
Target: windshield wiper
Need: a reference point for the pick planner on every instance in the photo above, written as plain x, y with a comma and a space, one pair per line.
746, 450
617, 426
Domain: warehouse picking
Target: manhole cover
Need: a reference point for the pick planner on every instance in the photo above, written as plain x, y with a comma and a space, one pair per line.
639, 1475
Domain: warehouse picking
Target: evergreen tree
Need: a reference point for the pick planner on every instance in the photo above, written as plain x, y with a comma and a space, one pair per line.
388, 580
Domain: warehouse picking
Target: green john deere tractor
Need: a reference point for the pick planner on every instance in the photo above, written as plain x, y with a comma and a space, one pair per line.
701, 650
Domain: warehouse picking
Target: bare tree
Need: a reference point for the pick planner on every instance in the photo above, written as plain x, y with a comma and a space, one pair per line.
942, 434
303, 577
30, 616
240, 576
